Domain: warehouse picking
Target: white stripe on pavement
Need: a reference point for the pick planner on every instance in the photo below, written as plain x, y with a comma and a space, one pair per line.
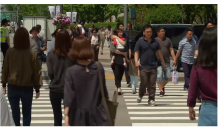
42, 110
160, 118
165, 100
38, 106
42, 115
179, 104
181, 94
161, 112
41, 102
170, 83
157, 97
157, 91
157, 108
42, 121
164, 124
167, 88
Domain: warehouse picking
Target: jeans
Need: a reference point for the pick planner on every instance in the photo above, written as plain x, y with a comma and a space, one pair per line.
134, 81
108, 41
163, 75
102, 45
148, 76
208, 113
187, 72
26, 97
56, 98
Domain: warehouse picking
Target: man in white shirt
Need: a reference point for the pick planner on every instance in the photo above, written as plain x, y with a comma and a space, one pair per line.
41, 33
83, 30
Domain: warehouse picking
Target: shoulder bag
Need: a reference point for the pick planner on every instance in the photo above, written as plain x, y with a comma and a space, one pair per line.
110, 106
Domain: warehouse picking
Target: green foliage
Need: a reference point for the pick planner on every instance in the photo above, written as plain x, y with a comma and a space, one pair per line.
164, 14
97, 25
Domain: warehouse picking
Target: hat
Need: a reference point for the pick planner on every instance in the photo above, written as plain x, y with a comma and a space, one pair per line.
4, 21
34, 28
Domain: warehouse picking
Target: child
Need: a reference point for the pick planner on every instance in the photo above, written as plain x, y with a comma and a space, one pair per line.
119, 46
133, 72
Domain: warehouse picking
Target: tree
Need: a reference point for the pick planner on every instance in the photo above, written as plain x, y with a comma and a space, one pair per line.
164, 14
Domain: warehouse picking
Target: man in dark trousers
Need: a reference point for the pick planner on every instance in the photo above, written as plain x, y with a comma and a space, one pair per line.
146, 49
5, 41
128, 51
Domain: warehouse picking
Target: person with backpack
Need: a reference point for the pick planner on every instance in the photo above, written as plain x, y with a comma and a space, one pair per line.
37, 44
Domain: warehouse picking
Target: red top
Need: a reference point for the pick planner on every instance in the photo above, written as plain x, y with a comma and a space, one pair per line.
115, 41
204, 79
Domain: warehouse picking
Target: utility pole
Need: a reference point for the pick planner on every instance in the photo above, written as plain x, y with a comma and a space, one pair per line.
55, 9
125, 16
18, 15
182, 15
61, 8
71, 13
40, 9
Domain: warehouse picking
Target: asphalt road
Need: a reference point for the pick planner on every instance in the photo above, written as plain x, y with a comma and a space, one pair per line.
171, 110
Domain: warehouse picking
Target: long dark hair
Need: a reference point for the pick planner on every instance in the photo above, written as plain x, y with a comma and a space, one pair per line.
207, 51
62, 43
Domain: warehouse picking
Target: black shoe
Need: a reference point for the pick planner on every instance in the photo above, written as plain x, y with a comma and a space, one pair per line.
161, 94
164, 90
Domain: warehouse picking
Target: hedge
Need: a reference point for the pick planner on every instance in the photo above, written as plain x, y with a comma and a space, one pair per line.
97, 25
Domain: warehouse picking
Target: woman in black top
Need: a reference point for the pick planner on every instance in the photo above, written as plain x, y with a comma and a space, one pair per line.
82, 95
57, 63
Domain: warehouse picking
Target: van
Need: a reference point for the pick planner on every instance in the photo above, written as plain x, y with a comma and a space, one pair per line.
173, 31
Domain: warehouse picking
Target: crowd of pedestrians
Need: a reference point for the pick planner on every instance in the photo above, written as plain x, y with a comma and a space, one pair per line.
72, 68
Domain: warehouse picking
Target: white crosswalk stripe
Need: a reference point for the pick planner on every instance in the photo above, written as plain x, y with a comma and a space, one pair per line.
42, 113
171, 109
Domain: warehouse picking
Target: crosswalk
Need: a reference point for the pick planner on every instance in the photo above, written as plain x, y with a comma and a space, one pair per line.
42, 113
171, 109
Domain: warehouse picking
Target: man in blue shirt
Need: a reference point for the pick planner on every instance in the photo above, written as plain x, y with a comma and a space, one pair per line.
187, 48
207, 25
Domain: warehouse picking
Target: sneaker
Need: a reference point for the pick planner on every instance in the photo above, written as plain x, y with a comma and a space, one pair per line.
151, 103
133, 91
129, 85
139, 100
186, 89
161, 93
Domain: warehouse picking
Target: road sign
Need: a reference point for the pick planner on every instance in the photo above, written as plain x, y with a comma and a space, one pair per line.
14, 16
132, 13
5, 16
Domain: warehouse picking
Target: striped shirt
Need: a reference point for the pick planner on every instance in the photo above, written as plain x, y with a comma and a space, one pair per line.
204, 79
188, 50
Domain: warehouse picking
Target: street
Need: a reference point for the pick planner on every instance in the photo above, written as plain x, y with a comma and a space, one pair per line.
171, 110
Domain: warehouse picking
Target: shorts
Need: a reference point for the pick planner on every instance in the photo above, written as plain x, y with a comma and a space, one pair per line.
163, 75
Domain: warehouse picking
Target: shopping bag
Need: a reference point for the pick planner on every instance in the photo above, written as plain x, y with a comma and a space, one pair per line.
175, 75
6, 118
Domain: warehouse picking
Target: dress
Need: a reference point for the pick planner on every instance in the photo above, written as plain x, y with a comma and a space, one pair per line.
82, 94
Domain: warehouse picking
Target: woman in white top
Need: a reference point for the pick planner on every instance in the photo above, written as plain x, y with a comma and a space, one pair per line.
108, 34
95, 43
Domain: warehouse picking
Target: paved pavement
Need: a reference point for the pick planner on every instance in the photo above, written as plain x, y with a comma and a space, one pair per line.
171, 110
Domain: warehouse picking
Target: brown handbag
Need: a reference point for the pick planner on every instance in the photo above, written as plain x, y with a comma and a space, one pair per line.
110, 106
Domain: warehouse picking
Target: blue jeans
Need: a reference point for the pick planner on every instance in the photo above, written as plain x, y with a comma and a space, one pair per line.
134, 81
26, 97
208, 113
108, 41
163, 75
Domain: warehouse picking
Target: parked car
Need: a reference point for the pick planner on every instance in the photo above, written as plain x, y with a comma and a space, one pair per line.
173, 31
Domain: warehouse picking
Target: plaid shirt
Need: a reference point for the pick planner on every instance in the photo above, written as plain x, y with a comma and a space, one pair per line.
206, 80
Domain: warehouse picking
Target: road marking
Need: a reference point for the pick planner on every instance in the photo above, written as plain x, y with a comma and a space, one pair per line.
42, 121
157, 97
157, 108
160, 118
157, 91
168, 104
167, 89
170, 94
164, 124
161, 112
157, 100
